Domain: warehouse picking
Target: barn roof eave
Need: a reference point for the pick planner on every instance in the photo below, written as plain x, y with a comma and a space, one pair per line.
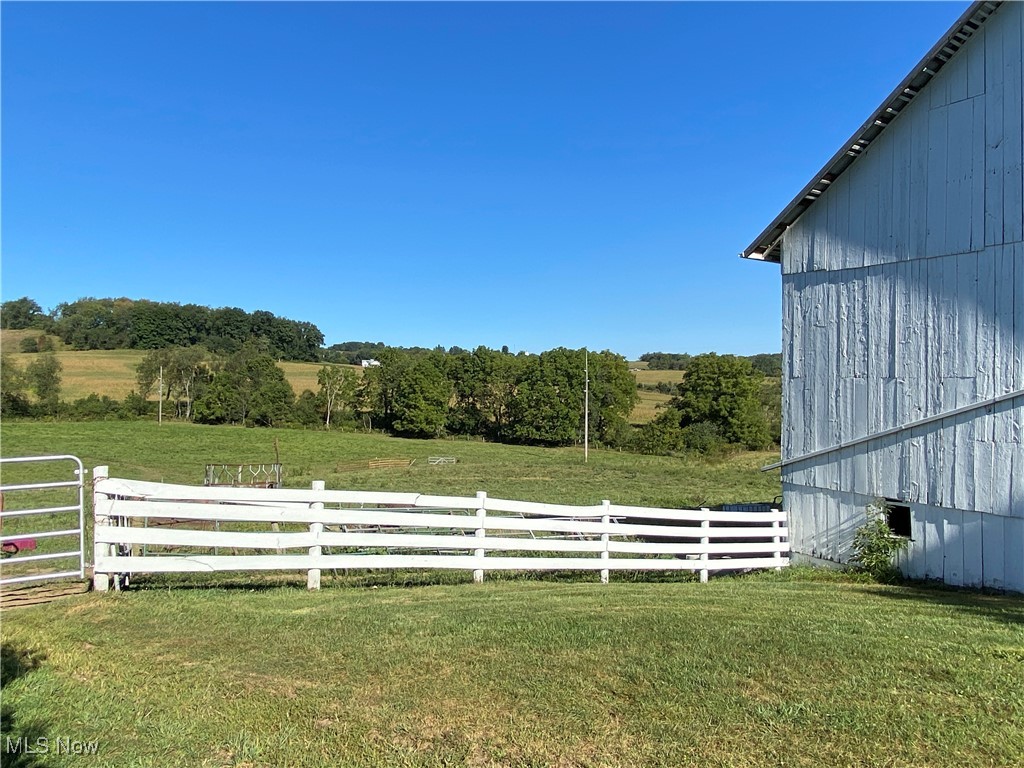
767, 245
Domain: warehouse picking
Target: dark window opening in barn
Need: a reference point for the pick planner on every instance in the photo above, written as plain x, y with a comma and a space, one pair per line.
897, 515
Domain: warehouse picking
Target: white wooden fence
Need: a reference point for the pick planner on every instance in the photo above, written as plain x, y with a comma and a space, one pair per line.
316, 529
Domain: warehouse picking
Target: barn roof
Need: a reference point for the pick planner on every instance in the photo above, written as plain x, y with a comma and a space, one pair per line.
767, 246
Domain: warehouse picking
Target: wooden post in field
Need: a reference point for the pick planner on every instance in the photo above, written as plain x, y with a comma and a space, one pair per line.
481, 532
605, 521
313, 577
705, 541
100, 581
777, 540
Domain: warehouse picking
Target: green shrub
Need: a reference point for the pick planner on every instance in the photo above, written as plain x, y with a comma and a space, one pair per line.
875, 547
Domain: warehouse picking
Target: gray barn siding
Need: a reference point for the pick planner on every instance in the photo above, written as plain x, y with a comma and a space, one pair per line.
903, 298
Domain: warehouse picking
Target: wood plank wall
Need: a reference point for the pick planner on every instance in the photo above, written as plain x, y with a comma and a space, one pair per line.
903, 298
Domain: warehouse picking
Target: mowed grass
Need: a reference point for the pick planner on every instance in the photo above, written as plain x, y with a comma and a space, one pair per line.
179, 452
649, 406
650, 376
757, 671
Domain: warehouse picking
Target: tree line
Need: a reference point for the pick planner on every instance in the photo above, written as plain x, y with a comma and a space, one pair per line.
723, 401
90, 323
766, 364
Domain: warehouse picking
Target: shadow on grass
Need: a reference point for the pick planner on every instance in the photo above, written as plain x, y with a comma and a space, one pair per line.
1002, 608
17, 737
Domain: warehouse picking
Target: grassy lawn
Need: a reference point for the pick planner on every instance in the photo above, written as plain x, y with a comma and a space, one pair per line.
752, 671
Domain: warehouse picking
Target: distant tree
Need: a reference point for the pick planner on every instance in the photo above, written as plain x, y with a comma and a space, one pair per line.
13, 388
249, 389
547, 408
43, 375
21, 313
723, 391
612, 397
185, 374
337, 389
422, 393
767, 364
666, 361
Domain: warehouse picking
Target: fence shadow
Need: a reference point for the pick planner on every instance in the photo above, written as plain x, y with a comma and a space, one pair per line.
998, 607
17, 737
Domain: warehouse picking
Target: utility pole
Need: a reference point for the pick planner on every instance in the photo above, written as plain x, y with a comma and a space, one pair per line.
160, 399
586, 406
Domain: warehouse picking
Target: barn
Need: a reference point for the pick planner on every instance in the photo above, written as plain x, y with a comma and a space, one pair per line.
903, 318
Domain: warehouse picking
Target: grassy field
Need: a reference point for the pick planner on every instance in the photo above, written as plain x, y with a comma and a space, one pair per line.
756, 671
179, 452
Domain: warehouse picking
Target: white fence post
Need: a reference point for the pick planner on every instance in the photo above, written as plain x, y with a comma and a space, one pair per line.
777, 540
313, 577
481, 531
100, 581
705, 542
605, 521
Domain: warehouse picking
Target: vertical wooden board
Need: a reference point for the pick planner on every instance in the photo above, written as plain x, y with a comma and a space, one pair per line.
884, 236
975, 52
959, 164
983, 460
917, 553
1013, 132
1013, 553
1017, 376
947, 292
1017, 482
1002, 474
993, 551
953, 548
792, 428
819, 537
860, 299
869, 169
967, 307
872, 319
938, 89
792, 502
935, 243
799, 321
901, 135
919, 122
933, 530
978, 179
833, 514
962, 449
1003, 326
994, 146
984, 357
972, 550
917, 463
840, 202
956, 79
861, 426
853, 253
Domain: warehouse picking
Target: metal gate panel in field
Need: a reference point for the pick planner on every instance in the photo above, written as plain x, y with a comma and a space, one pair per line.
309, 530
42, 519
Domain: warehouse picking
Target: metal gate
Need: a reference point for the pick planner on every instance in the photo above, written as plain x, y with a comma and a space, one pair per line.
42, 518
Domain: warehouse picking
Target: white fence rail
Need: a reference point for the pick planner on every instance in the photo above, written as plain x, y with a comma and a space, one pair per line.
146, 527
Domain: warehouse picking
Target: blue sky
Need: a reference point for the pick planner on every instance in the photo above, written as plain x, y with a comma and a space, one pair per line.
529, 174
